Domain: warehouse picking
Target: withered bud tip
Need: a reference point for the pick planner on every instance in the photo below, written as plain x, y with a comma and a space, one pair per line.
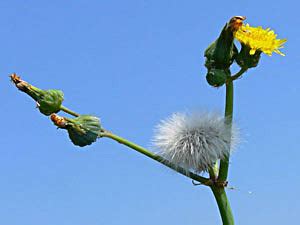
15, 78
20, 84
58, 120
236, 22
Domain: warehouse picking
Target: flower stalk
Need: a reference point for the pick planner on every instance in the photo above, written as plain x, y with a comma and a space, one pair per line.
69, 111
144, 151
224, 164
219, 191
238, 74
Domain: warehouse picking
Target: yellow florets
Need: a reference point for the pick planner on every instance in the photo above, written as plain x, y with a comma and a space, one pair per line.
260, 39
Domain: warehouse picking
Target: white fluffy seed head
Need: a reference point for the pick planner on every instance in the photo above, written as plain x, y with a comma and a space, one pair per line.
195, 141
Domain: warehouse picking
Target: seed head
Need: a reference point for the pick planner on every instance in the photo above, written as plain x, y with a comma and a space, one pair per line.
194, 141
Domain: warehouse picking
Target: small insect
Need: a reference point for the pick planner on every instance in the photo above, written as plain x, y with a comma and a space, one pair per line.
236, 22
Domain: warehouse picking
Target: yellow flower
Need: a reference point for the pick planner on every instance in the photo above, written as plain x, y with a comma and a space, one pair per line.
260, 39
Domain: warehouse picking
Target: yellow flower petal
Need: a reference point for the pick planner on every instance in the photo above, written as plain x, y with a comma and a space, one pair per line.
260, 39
252, 51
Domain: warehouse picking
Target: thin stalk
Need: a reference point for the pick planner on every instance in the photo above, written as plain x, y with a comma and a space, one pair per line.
69, 111
202, 180
224, 164
238, 74
223, 205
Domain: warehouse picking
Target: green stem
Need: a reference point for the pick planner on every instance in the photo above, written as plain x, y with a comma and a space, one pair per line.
224, 164
238, 74
69, 111
202, 180
213, 172
223, 205
218, 191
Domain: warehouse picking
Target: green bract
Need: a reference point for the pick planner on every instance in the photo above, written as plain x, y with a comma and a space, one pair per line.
217, 77
245, 60
83, 130
50, 101
220, 53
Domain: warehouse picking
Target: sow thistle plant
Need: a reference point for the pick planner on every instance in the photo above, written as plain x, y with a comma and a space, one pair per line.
196, 145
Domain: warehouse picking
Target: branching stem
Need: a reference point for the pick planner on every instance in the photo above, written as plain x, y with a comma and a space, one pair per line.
144, 151
238, 74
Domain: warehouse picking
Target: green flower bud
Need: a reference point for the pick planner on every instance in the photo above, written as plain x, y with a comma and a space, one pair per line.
217, 77
48, 101
83, 130
245, 60
220, 54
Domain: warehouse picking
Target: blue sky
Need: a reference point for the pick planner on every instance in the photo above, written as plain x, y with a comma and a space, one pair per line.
133, 63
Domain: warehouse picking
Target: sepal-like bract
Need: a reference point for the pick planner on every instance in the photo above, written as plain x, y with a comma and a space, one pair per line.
50, 101
217, 77
245, 60
220, 54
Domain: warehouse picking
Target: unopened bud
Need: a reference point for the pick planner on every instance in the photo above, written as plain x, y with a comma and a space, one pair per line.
49, 101
83, 130
217, 77
220, 54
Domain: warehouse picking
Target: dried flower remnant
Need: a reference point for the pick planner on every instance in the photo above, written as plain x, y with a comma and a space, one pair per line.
59, 121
